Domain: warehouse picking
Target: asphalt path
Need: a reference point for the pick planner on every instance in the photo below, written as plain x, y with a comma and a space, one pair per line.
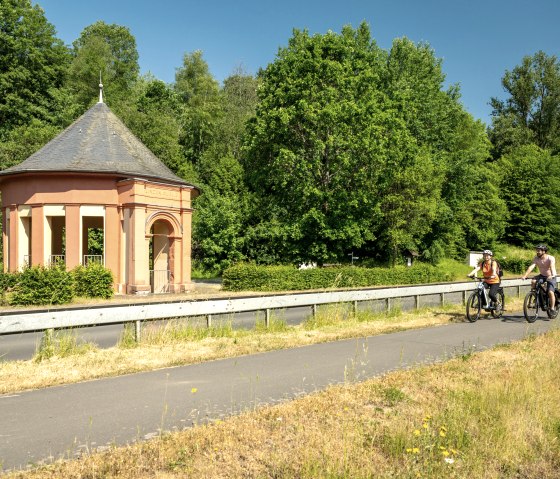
64, 422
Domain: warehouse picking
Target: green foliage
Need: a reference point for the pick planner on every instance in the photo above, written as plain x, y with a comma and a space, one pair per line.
318, 141
39, 285
531, 112
153, 116
353, 148
7, 282
60, 344
33, 63
530, 186
218, 231
199, 93
251, 277
109, 50
93, 281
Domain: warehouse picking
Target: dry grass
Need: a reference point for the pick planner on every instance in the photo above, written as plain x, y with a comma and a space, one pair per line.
174, 348
493, 414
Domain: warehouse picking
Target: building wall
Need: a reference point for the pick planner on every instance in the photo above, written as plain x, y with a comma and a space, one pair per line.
129, 209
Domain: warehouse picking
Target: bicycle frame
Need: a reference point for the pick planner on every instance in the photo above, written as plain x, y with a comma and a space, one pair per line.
482, 292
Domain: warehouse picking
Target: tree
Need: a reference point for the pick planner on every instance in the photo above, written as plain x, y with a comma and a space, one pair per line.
530, 184
199, 93
531, 111
319, 139
33, 64
152, 113
217, 231
109, 50
220, 164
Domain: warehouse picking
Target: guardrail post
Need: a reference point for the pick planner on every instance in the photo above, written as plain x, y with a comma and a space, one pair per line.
417, 302
137, 331
267, 318
314, 310
442, 298
464, 298
208, 320
519, 291
388, 304
355, 308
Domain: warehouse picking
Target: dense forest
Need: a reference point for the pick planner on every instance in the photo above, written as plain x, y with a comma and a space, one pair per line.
336, 147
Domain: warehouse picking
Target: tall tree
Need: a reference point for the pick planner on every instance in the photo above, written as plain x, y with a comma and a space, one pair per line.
530, 184
109, 50
531, 111
316, 147
199, 92
33, 64
152, 113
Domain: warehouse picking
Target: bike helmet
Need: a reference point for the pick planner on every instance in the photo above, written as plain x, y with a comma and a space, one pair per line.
543, 247
487, 251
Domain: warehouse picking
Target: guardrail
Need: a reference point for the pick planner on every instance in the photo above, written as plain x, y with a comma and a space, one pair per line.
33, 321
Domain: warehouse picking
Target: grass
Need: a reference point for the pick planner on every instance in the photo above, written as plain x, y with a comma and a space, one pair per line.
493, 414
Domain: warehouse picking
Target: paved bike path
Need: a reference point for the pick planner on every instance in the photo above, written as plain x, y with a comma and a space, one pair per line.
47, 424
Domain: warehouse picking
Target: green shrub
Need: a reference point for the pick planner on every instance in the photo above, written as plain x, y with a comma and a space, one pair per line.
7, 281
250, 277
42, 286
514, 265
93, 281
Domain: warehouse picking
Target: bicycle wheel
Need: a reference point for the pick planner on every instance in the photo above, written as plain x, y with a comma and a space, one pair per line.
531, 307
473, 307
500, 305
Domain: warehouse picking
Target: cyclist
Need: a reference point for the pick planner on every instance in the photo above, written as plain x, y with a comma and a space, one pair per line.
489, 269
547, 271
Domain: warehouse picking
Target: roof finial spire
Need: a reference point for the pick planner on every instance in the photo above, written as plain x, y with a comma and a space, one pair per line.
100, 89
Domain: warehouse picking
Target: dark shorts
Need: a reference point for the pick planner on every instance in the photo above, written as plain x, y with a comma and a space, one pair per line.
551, 282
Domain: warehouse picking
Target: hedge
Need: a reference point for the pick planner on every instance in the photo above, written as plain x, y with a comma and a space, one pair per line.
251, 277
39, 285
93, 281
514, 265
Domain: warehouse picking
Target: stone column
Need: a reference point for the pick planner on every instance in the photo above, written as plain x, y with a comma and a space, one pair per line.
112, 247
73, 236
13, 239
37, 235
185, 249
137, 255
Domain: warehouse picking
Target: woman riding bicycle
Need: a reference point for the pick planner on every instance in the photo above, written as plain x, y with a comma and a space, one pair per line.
489, 269
547, 271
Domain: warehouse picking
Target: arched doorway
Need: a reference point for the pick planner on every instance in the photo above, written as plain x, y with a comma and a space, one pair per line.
161, 257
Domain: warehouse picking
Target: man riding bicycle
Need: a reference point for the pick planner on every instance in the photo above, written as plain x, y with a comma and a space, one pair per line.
547, 271
489, 269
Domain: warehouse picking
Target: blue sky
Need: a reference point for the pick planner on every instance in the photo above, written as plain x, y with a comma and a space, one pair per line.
477, 40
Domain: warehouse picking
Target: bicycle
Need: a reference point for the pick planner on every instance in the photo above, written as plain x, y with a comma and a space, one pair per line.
479, 300
537, 299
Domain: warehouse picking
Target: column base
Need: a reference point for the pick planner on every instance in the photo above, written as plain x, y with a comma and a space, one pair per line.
181, 288
140, 289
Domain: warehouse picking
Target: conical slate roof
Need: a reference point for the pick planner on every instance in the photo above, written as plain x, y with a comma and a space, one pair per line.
97, 142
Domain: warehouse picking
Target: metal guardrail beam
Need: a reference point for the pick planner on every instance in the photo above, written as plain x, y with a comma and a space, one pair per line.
22, 322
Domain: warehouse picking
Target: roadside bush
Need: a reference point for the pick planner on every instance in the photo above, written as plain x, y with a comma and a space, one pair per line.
43, 286
7, 281
515, 265
252, 277
93, 281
